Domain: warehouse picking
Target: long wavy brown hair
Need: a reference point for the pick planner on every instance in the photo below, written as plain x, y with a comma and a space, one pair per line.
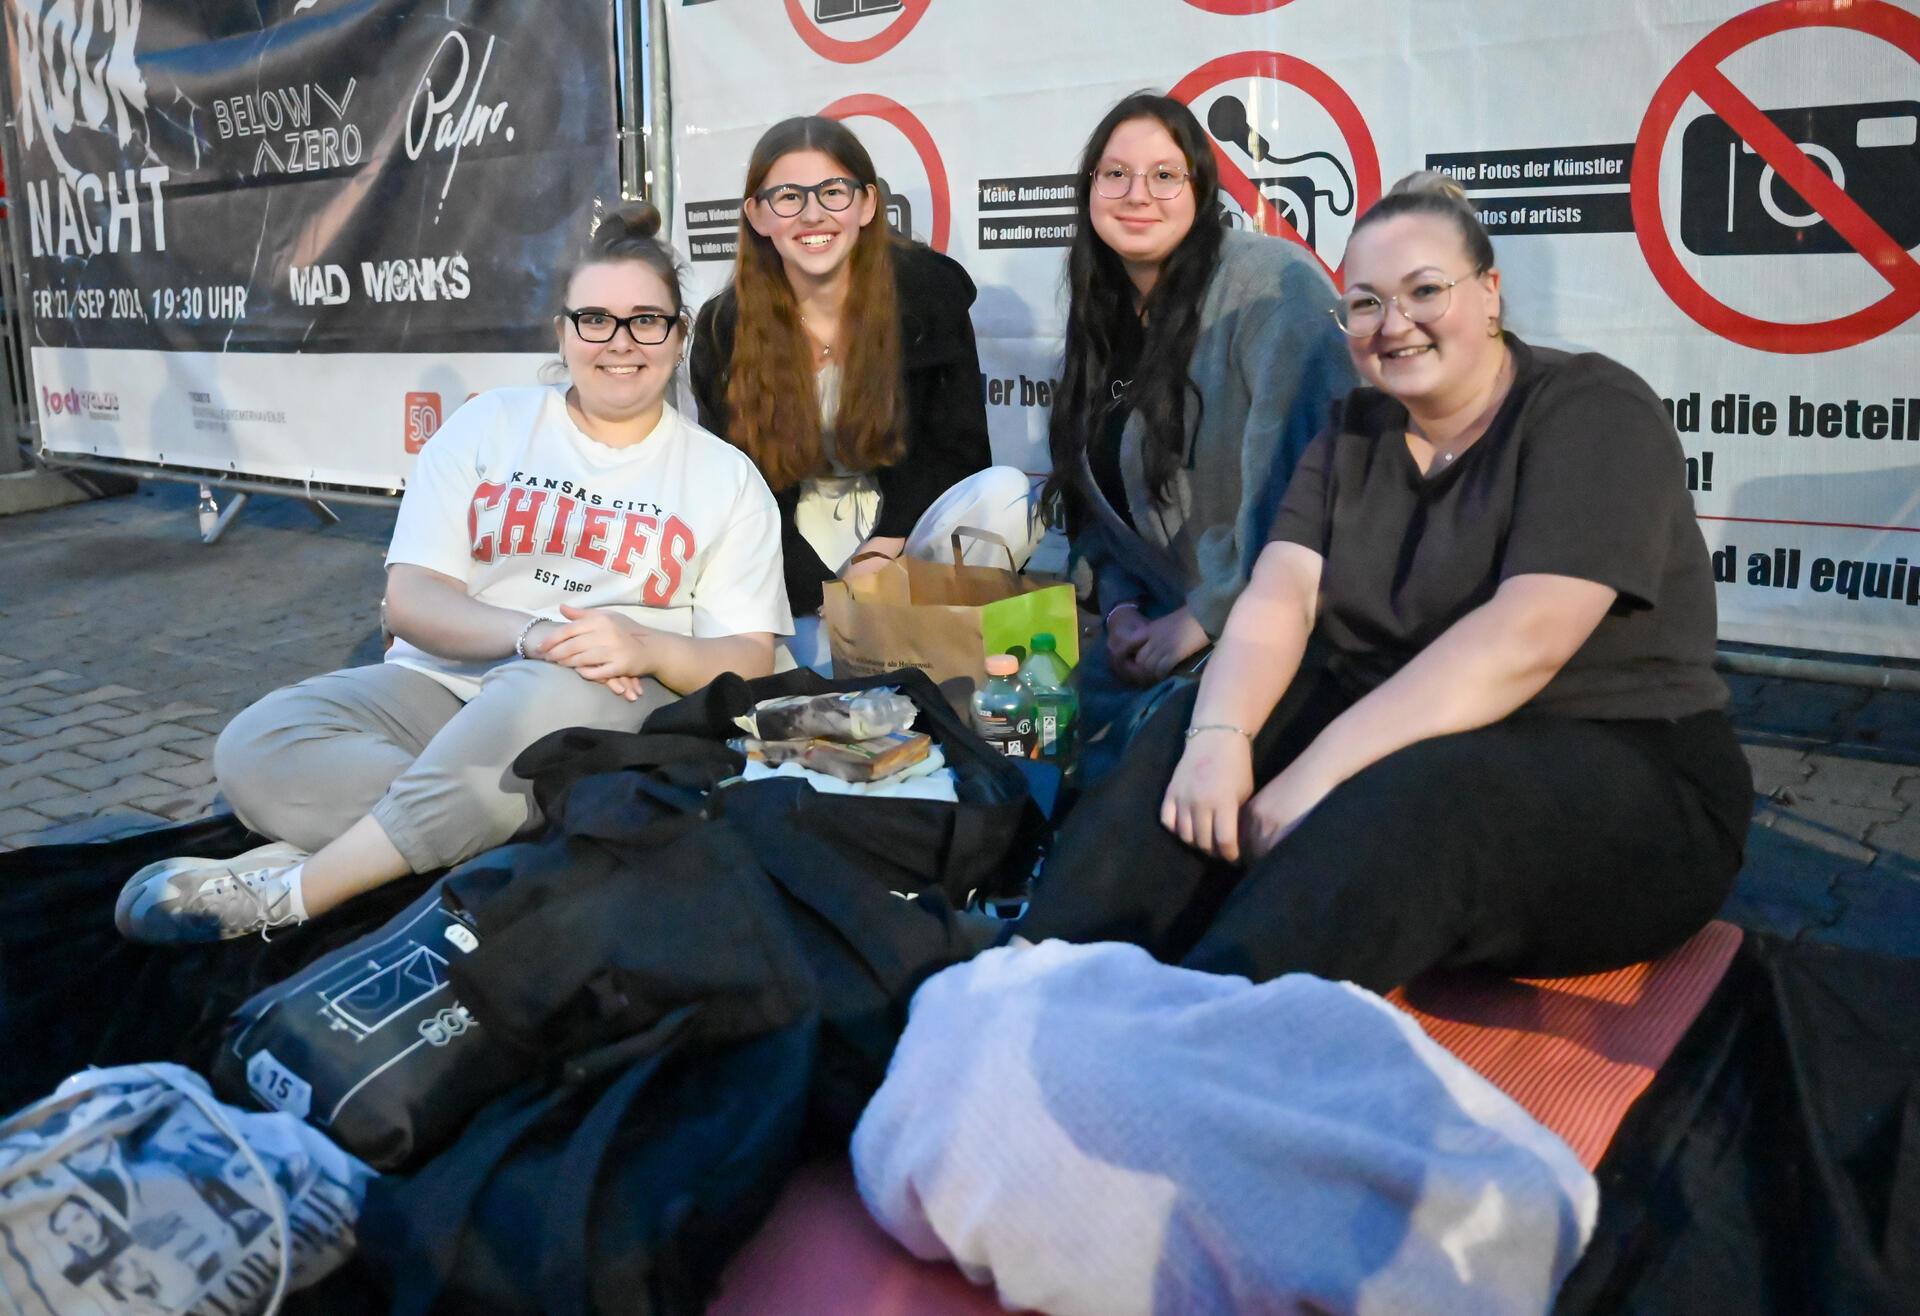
774, 410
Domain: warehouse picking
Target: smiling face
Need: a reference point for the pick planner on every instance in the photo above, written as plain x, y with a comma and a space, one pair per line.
1141, 229
1428, 366
620, 380
76, 1222
815, 244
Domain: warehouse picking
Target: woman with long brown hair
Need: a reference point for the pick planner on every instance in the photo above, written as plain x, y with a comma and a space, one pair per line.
842, 361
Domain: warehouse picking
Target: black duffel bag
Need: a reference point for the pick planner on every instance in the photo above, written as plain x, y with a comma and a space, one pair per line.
370, 1044
981, 848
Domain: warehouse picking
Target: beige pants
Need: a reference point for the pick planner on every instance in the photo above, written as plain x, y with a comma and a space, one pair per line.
307, 762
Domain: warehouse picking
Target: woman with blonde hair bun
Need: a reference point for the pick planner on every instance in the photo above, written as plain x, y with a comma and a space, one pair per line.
1515, 755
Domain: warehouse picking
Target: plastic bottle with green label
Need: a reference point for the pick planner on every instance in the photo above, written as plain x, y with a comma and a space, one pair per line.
1046, 680
1002, 713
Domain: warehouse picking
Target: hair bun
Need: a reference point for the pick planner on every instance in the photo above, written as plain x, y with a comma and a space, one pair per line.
1431, 182
633, 219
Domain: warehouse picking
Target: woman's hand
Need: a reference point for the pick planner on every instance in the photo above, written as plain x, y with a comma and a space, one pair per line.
1279, 806
1127, 630
602, 645
1170, 641
892, 548
1203, 801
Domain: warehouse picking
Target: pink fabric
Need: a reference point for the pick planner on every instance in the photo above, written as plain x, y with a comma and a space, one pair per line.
820, 1254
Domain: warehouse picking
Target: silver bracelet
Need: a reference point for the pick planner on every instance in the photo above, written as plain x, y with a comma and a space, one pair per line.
1108, 619
520, 640
1219, 726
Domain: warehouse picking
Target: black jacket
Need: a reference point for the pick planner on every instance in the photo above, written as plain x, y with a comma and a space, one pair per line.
946, 417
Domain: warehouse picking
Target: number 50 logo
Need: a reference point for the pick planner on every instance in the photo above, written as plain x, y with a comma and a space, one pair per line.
423, 419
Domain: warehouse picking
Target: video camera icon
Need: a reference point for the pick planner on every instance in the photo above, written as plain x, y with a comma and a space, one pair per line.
1732, 202
1312, 177
833, 11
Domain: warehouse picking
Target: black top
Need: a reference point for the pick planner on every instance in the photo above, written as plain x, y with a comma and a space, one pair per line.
1580, 474
944, 413
1103, 454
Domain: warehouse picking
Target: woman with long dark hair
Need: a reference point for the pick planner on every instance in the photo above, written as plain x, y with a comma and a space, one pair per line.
1199, 363
1515, 754
842, 361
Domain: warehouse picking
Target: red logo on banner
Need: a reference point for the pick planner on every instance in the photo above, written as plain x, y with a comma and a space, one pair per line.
1698, 74
423, 419
879, 107
853, 52
1330, 97
1238, 7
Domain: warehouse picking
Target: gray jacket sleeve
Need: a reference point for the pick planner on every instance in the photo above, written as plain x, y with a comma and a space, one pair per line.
1292, 359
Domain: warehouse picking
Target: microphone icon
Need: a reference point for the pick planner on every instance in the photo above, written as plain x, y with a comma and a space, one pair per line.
1296, 192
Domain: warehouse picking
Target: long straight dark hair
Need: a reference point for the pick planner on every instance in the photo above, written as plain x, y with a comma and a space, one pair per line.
1102, 313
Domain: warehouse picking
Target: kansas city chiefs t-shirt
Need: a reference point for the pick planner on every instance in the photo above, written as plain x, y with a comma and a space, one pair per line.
678, 531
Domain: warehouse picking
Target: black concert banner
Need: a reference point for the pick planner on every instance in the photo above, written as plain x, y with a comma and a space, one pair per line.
305, 175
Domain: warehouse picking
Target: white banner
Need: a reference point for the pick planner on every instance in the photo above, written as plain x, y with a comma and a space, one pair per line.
1634, 159
351, 419
284, 237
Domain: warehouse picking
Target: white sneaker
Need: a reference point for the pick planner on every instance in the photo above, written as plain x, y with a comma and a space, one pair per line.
193, 899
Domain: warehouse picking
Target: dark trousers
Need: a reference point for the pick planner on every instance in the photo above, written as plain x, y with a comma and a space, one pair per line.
1539, 846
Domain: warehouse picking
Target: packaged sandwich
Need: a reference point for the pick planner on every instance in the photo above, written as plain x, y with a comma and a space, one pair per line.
850, 715
866, 760
860, 760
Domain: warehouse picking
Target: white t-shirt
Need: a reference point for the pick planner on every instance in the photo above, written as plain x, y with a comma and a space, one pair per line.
678, 531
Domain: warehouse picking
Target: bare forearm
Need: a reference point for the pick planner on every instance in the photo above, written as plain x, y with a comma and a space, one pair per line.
442, 619
685, 663
1255, 661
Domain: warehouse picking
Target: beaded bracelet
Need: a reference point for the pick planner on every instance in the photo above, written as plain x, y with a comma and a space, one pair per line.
520, 640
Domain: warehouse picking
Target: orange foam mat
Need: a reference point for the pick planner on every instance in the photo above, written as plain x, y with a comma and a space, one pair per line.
1575, 1052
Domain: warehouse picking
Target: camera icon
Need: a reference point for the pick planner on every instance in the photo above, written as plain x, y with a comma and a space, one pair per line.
1732, 202
833, 11
1296, 197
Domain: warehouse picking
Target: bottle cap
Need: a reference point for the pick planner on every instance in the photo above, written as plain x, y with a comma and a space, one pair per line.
1002, 664
1043, 642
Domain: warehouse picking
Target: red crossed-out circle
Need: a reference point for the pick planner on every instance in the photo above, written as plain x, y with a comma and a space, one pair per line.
1331, 98
893, 112
856, 52
1238, 7
1698, 74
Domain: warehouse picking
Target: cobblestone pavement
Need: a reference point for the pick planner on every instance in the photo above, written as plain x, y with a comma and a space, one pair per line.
126, 644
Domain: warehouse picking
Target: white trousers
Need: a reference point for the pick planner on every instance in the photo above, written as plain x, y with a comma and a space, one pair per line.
836, 516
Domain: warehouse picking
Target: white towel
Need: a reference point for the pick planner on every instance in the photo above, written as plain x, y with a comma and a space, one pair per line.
1094, 1132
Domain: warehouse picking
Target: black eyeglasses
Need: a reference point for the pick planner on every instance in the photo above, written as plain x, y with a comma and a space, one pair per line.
647, 328
789, 199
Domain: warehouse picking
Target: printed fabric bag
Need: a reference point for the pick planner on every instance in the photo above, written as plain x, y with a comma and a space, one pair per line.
131, 1190
369, 1044
945, 620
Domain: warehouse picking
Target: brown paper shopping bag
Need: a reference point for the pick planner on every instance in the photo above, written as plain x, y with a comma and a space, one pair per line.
945, 620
